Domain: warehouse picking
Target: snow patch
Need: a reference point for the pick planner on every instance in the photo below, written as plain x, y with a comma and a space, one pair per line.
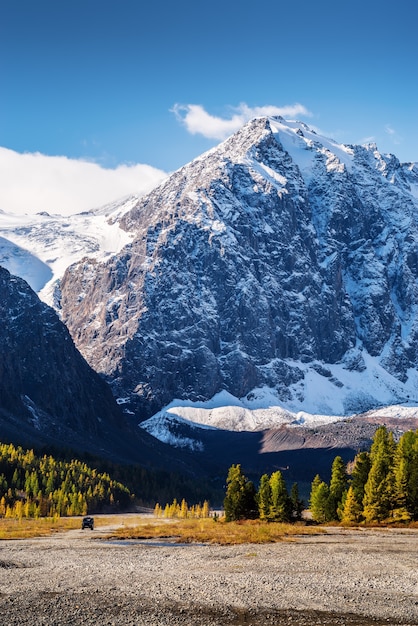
299, 141
167, 429
55, 242
21, 262
327, 393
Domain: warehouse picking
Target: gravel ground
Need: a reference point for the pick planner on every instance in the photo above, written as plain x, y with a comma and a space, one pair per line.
343, 577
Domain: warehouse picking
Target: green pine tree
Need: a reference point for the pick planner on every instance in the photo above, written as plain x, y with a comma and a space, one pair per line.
240, 500
319, 501
264, 497
406, 477
379, 490
338, 486
359, 475
280, 509
297, 503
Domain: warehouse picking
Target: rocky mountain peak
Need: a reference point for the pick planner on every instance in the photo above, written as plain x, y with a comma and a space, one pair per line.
279, 259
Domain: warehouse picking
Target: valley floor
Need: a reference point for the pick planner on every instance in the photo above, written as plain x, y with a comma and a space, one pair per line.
340, 577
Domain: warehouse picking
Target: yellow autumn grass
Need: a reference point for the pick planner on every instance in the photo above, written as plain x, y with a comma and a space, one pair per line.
26, 528
184, 531
220, 532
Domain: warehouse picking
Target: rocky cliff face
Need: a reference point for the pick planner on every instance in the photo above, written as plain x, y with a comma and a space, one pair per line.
47, 390
278, 259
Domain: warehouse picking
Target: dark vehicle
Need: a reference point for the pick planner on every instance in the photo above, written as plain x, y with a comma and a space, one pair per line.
88, 522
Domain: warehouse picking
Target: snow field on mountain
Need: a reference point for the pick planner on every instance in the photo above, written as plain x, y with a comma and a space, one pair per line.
323, 399
40, 247
299, 141
21, 262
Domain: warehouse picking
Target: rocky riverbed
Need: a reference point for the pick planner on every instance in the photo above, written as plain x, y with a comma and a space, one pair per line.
340, 577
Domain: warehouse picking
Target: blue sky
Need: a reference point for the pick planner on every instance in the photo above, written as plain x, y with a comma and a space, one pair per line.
126, 82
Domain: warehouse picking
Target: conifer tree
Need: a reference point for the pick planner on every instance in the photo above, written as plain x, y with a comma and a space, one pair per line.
338, 486
183, 509
280, 509
406, 476
315, 483
297, 503
351, 513
264, 497
240, 499
205, 513
359, 475
379, 491
413, 481
174, 509
319, 501
16, 483
3, 484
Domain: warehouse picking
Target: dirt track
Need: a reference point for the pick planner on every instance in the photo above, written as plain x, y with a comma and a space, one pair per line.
350, 578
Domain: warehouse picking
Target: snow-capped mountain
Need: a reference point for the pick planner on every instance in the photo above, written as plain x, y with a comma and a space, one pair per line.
279, 265
40, 247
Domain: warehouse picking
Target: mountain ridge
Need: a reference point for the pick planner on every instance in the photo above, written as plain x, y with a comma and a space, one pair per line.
274, 259
43, 378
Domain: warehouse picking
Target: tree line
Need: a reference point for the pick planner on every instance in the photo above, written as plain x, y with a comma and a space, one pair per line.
182, 510
380, 485
151, 486
271, 502
34, 486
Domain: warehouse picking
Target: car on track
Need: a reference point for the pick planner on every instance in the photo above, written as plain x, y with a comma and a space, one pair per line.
88, 522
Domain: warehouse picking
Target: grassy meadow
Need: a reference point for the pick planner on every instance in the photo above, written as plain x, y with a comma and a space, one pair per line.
220, 532
138, 527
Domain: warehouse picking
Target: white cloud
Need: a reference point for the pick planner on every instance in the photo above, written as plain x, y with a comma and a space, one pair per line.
198, 121
396, 138
33, 182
